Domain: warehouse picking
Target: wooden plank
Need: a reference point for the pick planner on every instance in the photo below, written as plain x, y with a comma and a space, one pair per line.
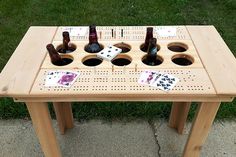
42, 123
67, 107
125, 97
58, 109
125, 82
135, 33
20, 71
135, 55
217, 58
179, 115
204, 118
64, 115
107, 78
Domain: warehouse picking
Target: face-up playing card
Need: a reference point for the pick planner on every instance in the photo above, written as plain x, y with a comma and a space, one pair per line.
158, 79
52, 78
76, 31
61, 78
166, 31
67, 79
165, 82
109, 52
148, 77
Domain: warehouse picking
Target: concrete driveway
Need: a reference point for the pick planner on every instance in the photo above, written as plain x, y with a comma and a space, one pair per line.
97, 138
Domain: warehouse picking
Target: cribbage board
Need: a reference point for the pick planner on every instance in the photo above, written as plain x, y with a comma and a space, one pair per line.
107, 78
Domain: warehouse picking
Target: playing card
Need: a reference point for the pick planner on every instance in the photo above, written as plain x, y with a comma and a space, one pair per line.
165, 82
158, 79
52, 78
109, 52
166, 31
148, 77
67, 79
61, 78
76, 31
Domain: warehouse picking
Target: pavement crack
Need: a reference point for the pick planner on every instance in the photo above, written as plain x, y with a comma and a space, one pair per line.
151, 124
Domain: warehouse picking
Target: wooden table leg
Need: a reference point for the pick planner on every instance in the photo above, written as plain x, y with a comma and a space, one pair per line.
178, 115
43, 126
203, 120
64, 115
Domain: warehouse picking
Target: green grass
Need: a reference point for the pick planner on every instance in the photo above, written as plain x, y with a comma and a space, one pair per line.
17, 16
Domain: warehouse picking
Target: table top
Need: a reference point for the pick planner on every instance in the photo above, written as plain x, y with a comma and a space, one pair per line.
209, 78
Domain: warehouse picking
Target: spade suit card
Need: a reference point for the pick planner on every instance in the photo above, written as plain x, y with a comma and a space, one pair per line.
159, 80
109, 52
166, 82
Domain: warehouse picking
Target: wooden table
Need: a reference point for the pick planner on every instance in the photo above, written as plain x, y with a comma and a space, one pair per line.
210, 80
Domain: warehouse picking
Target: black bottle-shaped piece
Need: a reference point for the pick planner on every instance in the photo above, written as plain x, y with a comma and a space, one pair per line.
149, 35
66, 48
93, 45
152, 52
55, 57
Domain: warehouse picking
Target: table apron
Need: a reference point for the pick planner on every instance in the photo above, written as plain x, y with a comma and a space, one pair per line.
123, 99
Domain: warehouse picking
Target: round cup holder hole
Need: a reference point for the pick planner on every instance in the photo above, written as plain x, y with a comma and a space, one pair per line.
71, 47
95, 48
125, 47
182, 60
122, 60
91, 60
159, 60
177, 47
66, 59
142, 48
